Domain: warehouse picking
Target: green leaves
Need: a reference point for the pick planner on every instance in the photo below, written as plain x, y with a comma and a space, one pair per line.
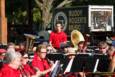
36, 15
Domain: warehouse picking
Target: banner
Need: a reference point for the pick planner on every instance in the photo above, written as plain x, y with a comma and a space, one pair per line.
72, 18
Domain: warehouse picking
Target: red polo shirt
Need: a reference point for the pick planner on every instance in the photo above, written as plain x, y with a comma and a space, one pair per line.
57, 38
8, 71
40, 64
113, 54
28, 70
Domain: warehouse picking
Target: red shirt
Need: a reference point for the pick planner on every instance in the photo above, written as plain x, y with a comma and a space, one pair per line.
57, 38
8, 71
113, 54
28, 70
113, 75
40, 64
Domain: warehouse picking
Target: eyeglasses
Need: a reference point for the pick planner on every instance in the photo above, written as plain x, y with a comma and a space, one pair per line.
25, 57
49, 49
43, 52
102, 48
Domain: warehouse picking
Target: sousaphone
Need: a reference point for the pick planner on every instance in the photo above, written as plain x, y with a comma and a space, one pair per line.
76, 37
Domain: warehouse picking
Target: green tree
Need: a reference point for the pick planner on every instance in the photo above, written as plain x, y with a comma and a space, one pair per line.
46, 8
16, 11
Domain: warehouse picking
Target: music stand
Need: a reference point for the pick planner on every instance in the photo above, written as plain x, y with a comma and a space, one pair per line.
103, 62
86, 63
55, 56
83, 63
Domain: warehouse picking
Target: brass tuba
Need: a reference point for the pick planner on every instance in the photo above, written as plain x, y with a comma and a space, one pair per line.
76, 37
30, 39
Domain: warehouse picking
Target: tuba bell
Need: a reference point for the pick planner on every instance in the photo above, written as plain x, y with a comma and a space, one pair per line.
76, 37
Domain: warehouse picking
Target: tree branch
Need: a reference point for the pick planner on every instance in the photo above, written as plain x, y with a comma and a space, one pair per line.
64, 3
40, 5
50, 4
51, 1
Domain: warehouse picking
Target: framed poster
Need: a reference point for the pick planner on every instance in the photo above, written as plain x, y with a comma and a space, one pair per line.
100, 18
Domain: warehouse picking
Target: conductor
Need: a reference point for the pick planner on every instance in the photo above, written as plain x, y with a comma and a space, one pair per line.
58, 36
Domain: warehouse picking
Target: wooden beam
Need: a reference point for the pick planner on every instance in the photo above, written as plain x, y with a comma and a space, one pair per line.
3, 23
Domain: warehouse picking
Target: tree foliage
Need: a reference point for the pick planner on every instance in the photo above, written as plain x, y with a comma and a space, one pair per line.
16, 11
46, 7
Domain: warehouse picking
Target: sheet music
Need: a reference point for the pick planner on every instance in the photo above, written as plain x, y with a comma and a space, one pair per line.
96, 65
55, 69
69, 66
54, 65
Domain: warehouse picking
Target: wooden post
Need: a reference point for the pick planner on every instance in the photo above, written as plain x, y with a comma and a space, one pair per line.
3, 23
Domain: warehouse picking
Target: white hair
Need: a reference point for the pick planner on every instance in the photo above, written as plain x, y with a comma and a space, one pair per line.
10, 50
11, 55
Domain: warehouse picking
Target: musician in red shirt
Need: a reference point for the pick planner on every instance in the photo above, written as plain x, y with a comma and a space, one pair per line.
58, 36
111, 53
25, 68
2, 55
11, 68
40, 62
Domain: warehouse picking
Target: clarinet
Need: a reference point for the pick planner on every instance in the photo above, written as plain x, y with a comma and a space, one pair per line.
23, 72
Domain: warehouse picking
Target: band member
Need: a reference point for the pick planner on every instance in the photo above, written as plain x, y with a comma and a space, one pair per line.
69, 61
11, 47
102, 50
40, 62
82, 47
13, 63
27, 70
58, 36
111, 53
21, 48
103, 47
2, 55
